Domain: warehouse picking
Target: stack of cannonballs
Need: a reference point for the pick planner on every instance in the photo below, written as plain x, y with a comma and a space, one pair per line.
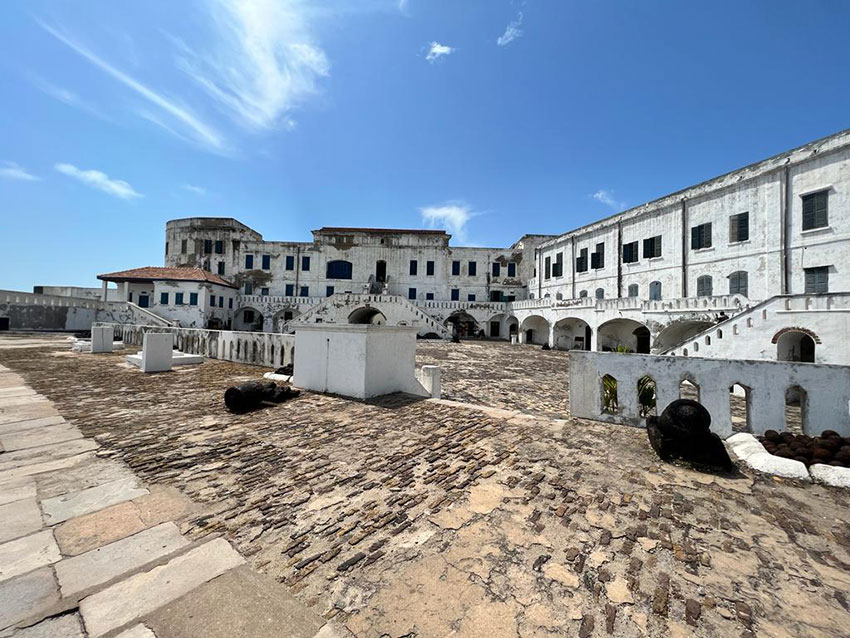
829, 448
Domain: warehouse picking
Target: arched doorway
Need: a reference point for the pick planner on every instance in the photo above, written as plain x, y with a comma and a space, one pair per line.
248, 320
618, 333
535, 329
679, 332
572, 333
368, 315
795, 345
463, 323
284, 316
501, 326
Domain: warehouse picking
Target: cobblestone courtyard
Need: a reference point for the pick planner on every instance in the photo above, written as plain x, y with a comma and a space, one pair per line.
430, 518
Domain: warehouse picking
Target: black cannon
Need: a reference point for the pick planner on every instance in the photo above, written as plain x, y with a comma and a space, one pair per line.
682, 432
252, 394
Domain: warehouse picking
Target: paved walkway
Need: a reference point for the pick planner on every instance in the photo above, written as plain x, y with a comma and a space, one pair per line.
87, 550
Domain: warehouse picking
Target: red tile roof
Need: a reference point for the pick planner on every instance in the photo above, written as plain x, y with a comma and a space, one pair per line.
151, 273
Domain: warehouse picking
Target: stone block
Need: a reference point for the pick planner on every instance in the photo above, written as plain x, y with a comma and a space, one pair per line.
830, 475
44, 453
156, 352
101, 565
16, 490
28, 553
67, 626
143, 593
30, 424
105, 526
47, 466
137, 631
42, 436
751, 452
101, 339
27, 595
61, 508
19, 518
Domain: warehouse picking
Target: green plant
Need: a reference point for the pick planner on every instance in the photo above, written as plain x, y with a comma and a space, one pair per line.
646, 395
610, 403
623, 349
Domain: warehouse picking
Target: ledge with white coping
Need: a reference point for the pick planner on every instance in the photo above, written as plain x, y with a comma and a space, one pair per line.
749, 450
284, 378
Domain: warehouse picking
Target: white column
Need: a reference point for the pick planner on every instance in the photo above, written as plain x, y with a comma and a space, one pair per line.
126, 291
103, 290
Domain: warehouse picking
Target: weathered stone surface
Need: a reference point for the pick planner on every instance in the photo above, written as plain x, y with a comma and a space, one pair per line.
99, 528
30, 424
830, 475
81, 477
16, 490
43, 454
163, 504
27, 595
141, 594
137, 631
45, 466
19, 518
238, 603
39, 437
65, 626
105, 563
28, 553
61, 508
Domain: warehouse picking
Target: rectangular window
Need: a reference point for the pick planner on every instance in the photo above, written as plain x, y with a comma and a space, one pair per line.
547, 268
429, 296
305, 264
815, 210
739, 227
305, 291
290, 290
178, 298
249, 288
701, 236
455, 268
496, 295
630, 252
652, 247
429, 268
497, 269
738, 283
163, 298
208, 246
473, 269
230, 303
470, 297
414, 266
597, 259
249, 262
581, 261
166, 248
221, 302
290, 262
817, 280
193, 299
264, 292
267, 262
212, 301
183, 246
455, 294
329, 291
219, 247
511, 269
411, 293
558, 266
221, 268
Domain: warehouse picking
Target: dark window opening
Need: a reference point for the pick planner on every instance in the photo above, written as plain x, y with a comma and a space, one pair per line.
163, 298
249, 262
267, 262
633, 290
305, 265
339, 269
414, 267
429, 268
221, 268
558, 266
547, 268
208, 246
652, 247
329, 291
704, 286
739, 227
455, 268
470, 297
473, 269
817, 280
630, 252
497, 268
815, 214
455, 294
511, 269
597, 259
411, 293
701, 236
290, 262
305, 291
581, 261
193, 299
290, 290
738, 283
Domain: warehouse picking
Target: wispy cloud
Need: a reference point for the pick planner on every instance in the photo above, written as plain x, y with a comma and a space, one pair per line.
10, 170
195, 189
452, 216
437, 51
512, 31
200, 131
99, 180
607, 197
264, 62
67, 97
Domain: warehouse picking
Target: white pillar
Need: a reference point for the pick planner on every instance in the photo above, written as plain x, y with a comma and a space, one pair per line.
126, 291
103, 291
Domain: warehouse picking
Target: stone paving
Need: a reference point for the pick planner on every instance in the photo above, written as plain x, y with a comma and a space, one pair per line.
87, 550
403, 517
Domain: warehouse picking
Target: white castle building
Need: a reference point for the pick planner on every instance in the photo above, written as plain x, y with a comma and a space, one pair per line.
750, 265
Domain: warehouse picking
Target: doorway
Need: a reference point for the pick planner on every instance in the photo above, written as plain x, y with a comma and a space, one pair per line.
380, 271
144, 301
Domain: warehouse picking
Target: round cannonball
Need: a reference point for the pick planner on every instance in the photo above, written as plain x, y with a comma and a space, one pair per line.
771, 435
829, 433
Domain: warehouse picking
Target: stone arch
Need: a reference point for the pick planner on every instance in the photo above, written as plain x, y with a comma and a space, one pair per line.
535, 329
623, 332
572, 333
248, 319
740, 402
794, 344
367, 314
609, 394
282, 316
463, 323
647, 394
796, 409
499, 326
688, 388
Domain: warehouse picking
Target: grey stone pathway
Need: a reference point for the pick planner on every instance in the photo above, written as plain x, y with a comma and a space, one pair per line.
87, 550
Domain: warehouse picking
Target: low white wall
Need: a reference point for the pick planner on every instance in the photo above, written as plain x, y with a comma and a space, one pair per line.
358, 361
255, 348
827, 389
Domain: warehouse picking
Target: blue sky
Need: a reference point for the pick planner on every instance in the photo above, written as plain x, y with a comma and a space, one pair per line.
492, 118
